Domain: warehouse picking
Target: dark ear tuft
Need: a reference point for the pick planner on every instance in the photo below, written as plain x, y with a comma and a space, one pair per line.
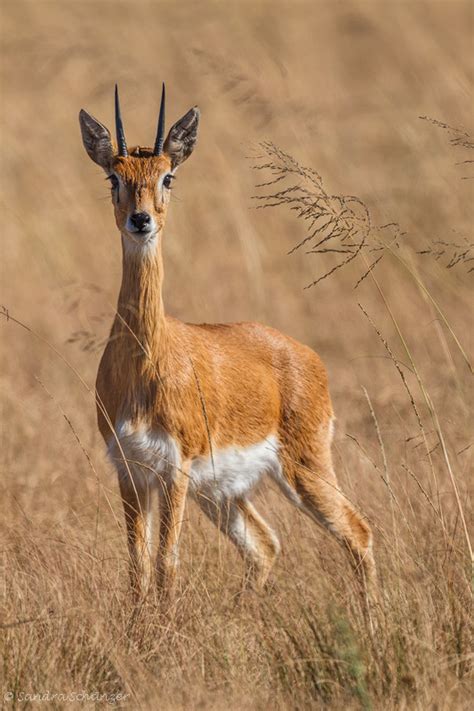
97, 140
182, 137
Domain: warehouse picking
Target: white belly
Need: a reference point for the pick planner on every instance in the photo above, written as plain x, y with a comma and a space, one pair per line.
231, 472
234, 471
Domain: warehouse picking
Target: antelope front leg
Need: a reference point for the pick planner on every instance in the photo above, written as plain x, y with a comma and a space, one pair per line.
172, 502
136, 504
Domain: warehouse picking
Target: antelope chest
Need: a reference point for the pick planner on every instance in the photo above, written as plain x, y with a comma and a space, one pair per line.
152, 455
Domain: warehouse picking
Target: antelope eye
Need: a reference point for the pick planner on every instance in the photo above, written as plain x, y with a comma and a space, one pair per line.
167, 181
113, 181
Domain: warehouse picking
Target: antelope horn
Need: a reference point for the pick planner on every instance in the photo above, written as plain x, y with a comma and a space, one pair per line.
160, 132
121, 142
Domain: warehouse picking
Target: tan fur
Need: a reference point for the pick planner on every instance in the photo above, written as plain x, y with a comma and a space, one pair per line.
220, 385
172, 501
136, 502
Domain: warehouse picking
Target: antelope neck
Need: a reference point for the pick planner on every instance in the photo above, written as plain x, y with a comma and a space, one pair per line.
140, 304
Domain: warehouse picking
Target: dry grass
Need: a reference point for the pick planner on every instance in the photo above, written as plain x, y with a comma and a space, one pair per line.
339, 87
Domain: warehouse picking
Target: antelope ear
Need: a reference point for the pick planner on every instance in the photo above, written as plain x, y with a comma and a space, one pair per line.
182, 137
97, 141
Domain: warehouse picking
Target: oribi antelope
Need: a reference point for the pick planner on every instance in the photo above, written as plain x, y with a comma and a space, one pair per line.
204, 409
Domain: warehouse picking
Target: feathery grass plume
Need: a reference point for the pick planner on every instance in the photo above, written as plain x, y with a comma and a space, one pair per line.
459, 138
340, 227
336, 225
451, 255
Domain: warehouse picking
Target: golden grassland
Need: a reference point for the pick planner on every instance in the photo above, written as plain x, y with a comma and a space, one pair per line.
340, 87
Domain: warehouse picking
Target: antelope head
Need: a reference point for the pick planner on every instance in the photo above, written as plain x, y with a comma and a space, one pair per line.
141, 178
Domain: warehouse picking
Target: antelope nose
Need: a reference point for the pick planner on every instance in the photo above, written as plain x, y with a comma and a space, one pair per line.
140, 220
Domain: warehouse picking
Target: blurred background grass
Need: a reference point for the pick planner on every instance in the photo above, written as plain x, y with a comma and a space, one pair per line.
340, 86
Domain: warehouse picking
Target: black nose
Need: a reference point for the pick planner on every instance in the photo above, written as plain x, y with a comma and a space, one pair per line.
140, 220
